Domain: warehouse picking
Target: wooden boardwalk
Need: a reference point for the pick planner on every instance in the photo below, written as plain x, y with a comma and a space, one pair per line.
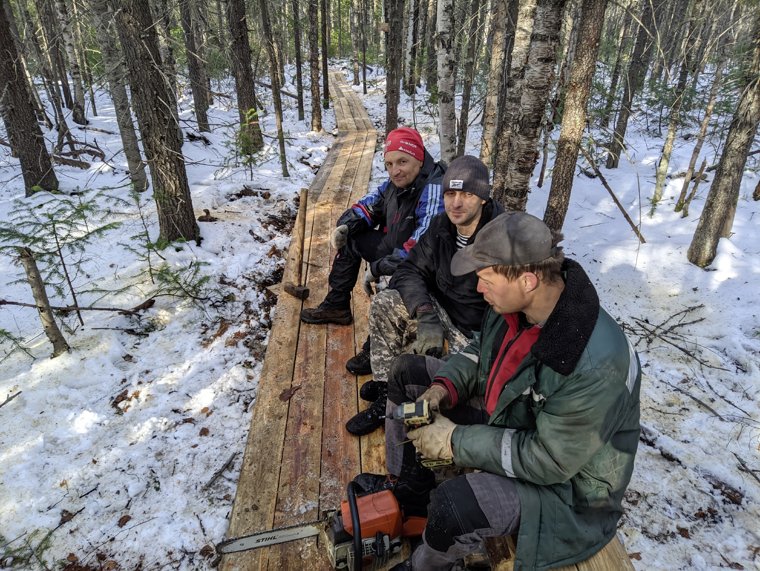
299, 456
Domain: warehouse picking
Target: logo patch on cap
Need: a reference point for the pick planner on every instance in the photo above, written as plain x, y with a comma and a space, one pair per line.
456, 184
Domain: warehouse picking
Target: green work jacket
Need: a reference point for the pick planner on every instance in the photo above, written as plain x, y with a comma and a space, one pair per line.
565, 427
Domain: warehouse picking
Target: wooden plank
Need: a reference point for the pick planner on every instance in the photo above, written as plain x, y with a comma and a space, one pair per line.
297, 461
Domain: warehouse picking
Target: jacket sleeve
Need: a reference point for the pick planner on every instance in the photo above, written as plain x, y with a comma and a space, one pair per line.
573, 424
430, 204
370, 207
415, 276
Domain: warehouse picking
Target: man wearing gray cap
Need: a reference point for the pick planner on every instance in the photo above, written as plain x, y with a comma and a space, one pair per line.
544, 403
425, 304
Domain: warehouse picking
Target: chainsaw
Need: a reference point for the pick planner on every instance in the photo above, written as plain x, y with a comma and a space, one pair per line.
364, 534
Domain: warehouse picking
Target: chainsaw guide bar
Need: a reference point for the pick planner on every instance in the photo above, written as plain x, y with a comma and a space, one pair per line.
272, 537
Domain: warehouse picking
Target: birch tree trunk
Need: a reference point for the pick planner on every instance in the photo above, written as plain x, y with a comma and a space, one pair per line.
394, 35
17, 111
266, 28
53, 333
447, 119
521, 153
51, 39
155, 107
195, 67
77, 111
635, 75
574, 115
717, 217
103, 19
518, 58
316, 110
251, 139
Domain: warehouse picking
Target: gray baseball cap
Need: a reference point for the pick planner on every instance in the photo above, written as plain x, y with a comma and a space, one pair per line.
510, 239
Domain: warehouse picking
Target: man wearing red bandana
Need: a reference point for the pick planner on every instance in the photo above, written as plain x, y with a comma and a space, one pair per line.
381, 227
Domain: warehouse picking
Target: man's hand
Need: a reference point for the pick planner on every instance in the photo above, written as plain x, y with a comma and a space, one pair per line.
437, 397
369, 279
339, 237
430, 335
434, 440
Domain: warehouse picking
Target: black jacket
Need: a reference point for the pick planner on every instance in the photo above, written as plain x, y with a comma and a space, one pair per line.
427, 271
403, 215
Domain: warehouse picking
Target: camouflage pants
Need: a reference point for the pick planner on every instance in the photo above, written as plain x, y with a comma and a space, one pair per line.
392, 331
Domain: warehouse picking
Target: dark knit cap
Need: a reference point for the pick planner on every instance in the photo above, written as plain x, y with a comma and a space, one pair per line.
468, 174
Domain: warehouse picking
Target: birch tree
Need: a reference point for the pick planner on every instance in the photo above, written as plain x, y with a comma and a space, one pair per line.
77, 111
316, 110
447, 118
195, 67
394, 42
521, 153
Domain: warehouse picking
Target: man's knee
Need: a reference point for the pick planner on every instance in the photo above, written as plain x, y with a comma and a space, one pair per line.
453, 511
406, 370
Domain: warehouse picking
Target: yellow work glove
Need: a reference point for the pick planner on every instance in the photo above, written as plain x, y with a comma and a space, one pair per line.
434, 440
437, 397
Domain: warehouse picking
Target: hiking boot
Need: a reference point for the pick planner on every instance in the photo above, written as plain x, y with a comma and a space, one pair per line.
368, 420
412, 495
405, 565
373, 390
327, 313
359, 364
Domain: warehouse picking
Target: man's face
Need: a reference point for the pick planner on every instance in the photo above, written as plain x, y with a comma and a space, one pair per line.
503, 295
462, 208
402, 168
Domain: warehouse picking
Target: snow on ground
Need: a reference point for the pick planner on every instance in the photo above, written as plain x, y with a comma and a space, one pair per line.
112, 456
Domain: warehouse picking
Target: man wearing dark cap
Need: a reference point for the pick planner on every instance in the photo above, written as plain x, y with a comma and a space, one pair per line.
383, 225
544, 403
425, 304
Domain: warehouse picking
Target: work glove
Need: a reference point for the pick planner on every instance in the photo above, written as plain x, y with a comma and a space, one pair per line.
430, 335
369, 279
437, 397
387, 265
339, 237
433, 441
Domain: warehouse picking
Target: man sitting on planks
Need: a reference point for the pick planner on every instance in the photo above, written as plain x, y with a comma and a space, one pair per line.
381, 228
425, 304
544, 403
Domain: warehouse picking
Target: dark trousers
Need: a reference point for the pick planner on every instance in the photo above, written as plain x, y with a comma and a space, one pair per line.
463, 510
345, 269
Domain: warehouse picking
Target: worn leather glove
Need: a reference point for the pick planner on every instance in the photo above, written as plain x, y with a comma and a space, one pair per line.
430, 335
339, 237
369, 279
434, 440
437, 397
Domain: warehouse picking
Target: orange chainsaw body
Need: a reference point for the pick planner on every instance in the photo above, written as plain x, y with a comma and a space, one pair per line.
379, 513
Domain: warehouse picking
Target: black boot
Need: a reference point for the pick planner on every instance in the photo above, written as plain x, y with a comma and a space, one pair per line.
374, 390
359, 364
326, 312
368, 420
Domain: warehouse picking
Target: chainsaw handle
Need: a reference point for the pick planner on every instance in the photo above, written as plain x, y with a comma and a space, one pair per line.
356, 523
